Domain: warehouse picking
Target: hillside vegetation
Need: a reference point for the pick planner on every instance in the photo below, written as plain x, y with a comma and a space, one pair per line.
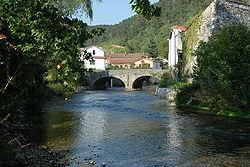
138, 35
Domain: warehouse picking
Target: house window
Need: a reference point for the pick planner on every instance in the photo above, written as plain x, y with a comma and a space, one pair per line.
92, 62
93, 52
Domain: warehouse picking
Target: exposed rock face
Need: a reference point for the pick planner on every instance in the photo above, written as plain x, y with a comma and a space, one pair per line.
221, 13
218, 14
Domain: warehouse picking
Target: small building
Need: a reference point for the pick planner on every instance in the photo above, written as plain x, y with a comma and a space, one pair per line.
123, 60
175, 46
98, 59
152, 64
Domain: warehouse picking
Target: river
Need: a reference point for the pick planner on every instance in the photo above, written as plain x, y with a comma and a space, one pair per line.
137, 129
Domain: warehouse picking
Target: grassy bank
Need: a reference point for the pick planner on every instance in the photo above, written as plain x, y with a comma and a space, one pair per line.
191, 98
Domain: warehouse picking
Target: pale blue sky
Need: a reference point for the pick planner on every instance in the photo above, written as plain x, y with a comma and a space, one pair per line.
110, 12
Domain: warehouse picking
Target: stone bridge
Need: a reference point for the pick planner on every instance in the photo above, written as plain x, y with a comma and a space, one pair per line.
132, 78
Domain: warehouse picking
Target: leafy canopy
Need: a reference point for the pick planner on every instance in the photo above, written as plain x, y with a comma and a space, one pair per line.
38, 47
223, 68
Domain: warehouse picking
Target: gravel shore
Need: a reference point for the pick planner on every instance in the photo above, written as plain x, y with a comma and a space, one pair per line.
18, 150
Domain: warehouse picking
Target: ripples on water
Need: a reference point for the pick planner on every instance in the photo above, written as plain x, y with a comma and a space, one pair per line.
129, 129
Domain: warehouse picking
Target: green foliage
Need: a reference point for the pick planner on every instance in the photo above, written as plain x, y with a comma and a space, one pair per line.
191, 38
38, 46
57, 88
135, 33
166, 80
132, 66
222, 76
152, 49
145, 66
164, 65
180, 84
223, 68
109, 48
113, 67
144, 8
243, 114
187, 96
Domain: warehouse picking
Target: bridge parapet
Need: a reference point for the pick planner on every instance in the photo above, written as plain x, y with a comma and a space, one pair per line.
128, 76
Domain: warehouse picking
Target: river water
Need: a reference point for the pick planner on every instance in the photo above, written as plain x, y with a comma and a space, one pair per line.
137, 129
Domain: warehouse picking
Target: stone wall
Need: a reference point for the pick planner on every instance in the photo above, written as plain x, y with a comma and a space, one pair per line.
221, 13
167, 93
218, 14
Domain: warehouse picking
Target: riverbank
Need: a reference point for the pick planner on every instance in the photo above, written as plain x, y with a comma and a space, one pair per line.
16, 148
167, 93
171, 93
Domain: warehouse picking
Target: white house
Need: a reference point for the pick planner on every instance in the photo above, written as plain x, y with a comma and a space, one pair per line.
175, 46
97, 61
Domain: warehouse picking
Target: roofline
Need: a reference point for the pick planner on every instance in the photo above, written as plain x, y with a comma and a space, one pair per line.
179, 28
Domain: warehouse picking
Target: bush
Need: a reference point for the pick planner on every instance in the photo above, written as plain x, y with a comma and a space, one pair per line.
145, 66
188, 95
222, 69
166, 80
57, 88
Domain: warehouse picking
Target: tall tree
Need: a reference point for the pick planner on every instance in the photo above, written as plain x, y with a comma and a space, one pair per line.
144, 8
152, 49
38, 46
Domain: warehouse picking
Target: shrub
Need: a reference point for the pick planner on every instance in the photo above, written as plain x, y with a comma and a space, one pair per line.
145, 66
57, 88
222, 69
166, 80
188, 95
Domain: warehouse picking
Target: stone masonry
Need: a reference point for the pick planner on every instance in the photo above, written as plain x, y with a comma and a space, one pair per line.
221, 13
132, 78
218, 14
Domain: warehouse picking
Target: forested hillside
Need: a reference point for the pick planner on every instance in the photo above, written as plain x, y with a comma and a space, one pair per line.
139, 35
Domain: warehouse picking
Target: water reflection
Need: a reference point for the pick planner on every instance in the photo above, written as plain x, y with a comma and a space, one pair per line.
134, 129
91, 127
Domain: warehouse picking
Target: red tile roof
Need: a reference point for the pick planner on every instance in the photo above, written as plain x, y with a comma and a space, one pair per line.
125, 55
179, 27
129, 61
124, 58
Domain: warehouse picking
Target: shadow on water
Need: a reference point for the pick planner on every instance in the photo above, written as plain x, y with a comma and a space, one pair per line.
124, 128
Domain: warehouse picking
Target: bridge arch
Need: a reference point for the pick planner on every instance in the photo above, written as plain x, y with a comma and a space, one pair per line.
132, 78
105, 82
138, 83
